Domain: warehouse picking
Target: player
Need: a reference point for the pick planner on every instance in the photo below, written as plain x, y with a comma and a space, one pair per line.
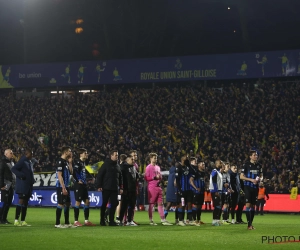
80, 188
6, 76
99, 70
67, 73
62, 188
154, 178
215, 187
225, 193
263, 63
197, 183
184, 190
251, 174
284, 63
81, 73
242, 71
117, 77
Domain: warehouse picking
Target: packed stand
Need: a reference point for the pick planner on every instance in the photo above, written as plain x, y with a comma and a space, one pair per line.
222, 123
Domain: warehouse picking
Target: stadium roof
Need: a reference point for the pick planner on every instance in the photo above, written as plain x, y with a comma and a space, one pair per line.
34, 31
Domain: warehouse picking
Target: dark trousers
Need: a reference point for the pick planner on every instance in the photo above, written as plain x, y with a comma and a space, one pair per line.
128, 204
112, 197
233, 203
6, 199
260, 203
240, 208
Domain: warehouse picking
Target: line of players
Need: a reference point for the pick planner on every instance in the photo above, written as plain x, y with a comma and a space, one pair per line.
229, 189
188, 182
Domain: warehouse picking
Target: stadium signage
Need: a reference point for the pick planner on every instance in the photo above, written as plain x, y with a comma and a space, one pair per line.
49, 198
168, 69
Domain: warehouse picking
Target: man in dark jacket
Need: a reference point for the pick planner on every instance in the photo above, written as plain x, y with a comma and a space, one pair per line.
7, 184
24, 182
130, 179
109, 180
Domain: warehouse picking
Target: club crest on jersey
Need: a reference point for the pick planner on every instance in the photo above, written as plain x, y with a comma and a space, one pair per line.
186, 172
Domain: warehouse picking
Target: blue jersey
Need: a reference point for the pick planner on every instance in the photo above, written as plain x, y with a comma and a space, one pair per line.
63, 167
199, 181
79, 171
251, 170
183, 178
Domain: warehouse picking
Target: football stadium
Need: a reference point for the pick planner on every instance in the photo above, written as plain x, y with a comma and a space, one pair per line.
162, 124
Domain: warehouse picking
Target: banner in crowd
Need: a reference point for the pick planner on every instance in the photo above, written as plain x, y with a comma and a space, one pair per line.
204, 67
49, 198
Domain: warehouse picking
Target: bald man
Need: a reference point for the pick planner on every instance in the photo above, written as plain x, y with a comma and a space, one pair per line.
7, 184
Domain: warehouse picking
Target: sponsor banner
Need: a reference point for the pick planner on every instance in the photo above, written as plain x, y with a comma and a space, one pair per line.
168, 69
276, 203
45, 180
49, 198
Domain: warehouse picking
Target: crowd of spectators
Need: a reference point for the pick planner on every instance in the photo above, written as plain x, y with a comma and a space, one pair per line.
212, 123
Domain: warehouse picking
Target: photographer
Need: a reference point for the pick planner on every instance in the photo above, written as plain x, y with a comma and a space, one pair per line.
262, 192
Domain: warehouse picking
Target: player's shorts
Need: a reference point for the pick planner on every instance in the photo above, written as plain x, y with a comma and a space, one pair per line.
80, 192
188, 196
198, 199
80, 75
67, 75
284, 65
250, 195
155, 195
225, 198
63, 199
5, 78
216, 199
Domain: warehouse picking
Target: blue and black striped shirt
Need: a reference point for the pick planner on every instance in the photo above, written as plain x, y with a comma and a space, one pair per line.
251, 170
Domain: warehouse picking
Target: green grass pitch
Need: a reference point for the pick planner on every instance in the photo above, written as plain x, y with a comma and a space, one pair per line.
43, 235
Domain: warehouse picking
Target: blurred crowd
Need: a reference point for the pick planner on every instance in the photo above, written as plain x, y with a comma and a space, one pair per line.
211, 123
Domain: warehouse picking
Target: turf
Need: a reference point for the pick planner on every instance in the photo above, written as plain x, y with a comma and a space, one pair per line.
43, 235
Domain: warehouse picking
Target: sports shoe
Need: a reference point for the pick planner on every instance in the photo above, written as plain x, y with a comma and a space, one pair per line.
77, 224
131, 223
89, 224
250, 228
181, 223
6, 222
112, 224
136, 223
201, 222
253, 227
17, 223
226, 222
60, 226
192, 223
152, 223
216, 224
197, 224
70, 225
102, 223
166, 223
24, 224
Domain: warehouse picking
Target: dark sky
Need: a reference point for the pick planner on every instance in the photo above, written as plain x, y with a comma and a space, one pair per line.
119, 29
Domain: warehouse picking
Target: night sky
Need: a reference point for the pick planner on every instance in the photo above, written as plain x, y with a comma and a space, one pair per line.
35, 31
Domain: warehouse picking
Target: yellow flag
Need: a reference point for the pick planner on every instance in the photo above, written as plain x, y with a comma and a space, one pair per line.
196, 145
